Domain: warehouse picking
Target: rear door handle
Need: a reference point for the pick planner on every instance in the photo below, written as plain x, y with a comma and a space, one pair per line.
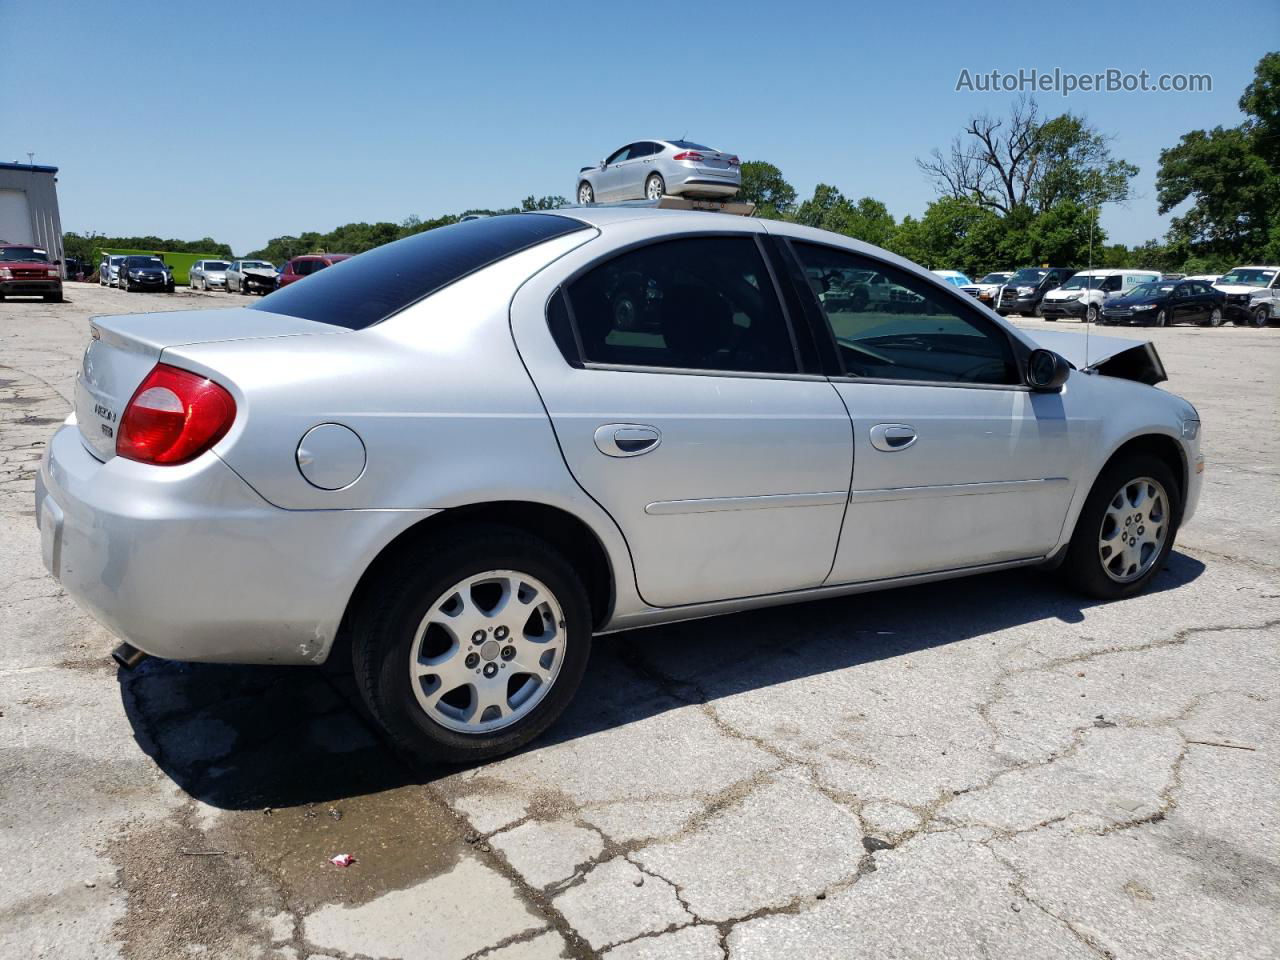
890, 437
627, 439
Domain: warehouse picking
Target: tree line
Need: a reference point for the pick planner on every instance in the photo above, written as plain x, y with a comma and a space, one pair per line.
1011, 190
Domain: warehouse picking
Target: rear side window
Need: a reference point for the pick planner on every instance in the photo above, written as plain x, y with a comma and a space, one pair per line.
364, 290
701, 303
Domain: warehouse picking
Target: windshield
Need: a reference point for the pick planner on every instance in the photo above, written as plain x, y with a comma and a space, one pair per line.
1249, 278
1079, 281
1029, 275
1151, 290
145, 262
256, 264
24, 253
374, 285
994, 278
215, 265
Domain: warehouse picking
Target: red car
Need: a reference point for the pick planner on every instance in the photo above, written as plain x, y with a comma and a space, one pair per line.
300, 267
25, 271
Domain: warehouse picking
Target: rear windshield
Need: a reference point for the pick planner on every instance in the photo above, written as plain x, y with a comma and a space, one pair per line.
687, 145
359, 292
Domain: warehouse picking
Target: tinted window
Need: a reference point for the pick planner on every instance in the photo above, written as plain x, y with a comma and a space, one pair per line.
687, 145
385, 280
906, 329
701, 303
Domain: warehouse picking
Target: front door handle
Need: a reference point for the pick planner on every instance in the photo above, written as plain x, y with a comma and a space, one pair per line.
890, 437
627, 439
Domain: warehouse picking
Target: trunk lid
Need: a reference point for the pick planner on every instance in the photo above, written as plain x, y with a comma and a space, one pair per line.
123, 350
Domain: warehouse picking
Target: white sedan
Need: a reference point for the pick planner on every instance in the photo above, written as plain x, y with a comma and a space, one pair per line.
469, 451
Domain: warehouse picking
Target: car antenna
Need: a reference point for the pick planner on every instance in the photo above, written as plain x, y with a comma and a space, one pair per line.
1088, 278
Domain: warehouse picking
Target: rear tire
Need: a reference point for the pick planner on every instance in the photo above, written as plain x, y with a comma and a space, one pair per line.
1215, 317
1084, 566
398, 624
655, 188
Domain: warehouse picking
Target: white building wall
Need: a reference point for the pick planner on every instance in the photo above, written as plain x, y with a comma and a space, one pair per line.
31, 193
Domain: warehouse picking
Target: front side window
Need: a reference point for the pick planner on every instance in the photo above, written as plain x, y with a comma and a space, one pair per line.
618, 155
912, 331
699, 303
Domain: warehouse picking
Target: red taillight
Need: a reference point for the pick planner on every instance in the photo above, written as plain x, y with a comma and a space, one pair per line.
688, 155
733, 162
174, 416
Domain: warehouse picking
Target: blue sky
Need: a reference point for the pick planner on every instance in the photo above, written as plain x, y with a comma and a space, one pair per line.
247, 121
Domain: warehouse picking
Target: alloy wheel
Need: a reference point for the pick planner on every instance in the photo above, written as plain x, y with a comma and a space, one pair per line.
1259, 317
655, 188
487, 652
1134, 529
1215, 317
585, 194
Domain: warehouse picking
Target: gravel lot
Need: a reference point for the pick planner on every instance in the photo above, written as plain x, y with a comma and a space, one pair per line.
985, 768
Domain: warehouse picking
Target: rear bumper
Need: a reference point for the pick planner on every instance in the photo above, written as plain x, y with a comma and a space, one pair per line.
189, 563
704, 186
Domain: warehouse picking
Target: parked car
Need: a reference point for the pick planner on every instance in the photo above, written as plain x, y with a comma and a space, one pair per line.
1083, 296
27, 271
208, 274
304, 266
75, 268
989, 286
109, 270
474, 467
1163, 303
140, 272
652, 169
958, 279
1241, 285
1023, 291
1206, 277
251, 276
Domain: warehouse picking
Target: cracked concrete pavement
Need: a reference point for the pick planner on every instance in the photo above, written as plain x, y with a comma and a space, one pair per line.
983, 768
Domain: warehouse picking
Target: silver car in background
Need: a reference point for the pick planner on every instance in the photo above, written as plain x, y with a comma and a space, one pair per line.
651, 169
208, 275
479, 446
109, 270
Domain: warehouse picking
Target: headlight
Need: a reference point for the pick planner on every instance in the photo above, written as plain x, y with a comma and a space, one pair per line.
6, 273
1023, 291
1145, 306
1190, 429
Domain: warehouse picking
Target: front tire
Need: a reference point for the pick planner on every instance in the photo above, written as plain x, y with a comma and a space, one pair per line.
1091, 313
585, 193
1259, 317
655, 188
1161, 319
1126, 529
471, 649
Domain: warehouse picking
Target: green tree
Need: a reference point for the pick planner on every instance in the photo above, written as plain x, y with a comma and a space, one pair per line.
763, 185
1231, 177
543, 203
1065, 234
828, 209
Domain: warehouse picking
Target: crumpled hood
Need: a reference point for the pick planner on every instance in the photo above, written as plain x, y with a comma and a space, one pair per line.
1085, 352
1237, 287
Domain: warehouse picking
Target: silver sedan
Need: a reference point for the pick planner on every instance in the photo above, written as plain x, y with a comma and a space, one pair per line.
476, 448
651, 169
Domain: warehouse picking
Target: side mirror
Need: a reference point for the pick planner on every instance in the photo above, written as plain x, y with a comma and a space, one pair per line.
602, 164
1046, 371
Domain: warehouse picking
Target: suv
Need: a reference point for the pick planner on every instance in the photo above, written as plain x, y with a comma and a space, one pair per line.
1083, 295
303, 266
25, 271
1027, 287
1245, 286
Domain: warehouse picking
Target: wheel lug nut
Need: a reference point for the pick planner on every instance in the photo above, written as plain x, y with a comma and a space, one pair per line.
500, 633
490, 669
472, 660
478, 637
508, 652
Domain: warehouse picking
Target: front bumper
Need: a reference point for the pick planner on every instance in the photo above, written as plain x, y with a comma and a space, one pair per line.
1026, 306
189, 563
1236, 307
30, 288
259, 284
1062, 308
